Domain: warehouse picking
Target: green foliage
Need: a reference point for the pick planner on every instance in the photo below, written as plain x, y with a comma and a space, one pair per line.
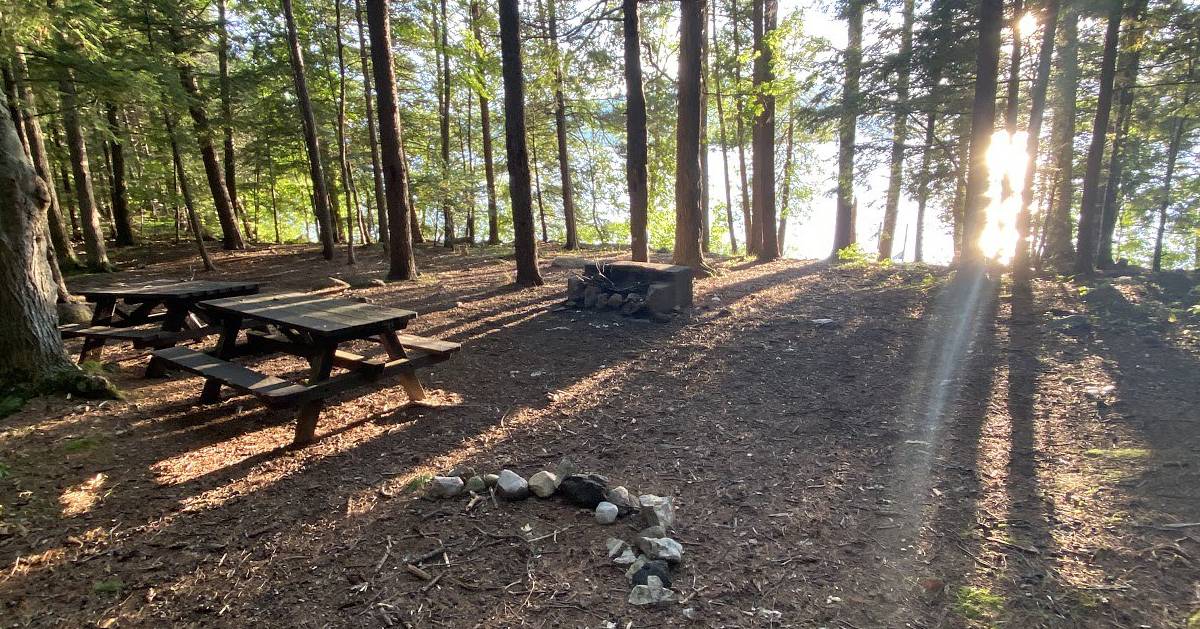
977, 603
10, 404
81, 444
112, 586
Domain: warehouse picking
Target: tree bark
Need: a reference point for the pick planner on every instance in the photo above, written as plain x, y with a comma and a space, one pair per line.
739, 112
983, 121
786, 188
923, 183
93, 237
63, 248
537, 188
1058, 247
402, 265
1037, 110
636, 173
688, 228
32, 348
1125, 81
716, 81
227, 112
843, 232
321, 200
373, 139
186, 190
514, 134
231, 235
763, 182
485, 123
443, 40
560, 128
899, 133
120, 193
1172, 156
343, 157
1090, 206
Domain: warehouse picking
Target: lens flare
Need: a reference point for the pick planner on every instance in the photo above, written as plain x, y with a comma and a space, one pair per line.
1007, 160
1027, 24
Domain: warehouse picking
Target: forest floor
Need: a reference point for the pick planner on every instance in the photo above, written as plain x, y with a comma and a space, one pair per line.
947, 454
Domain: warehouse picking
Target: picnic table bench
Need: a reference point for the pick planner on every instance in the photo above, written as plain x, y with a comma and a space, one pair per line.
138, 317
312, 328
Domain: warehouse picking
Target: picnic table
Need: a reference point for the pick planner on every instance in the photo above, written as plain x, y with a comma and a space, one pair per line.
138, 318
311, 327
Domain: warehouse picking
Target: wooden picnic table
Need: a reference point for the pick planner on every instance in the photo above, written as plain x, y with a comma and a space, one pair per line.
313, 328
141, 320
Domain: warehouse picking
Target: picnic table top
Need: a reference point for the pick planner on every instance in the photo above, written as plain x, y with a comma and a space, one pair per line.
314, 314
167, 289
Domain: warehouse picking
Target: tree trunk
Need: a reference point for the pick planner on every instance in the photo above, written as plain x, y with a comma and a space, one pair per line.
763, 186
688, 228
923, 183
14, 109
1013, 96
444, 96
1058, 247
485, 123
402, 265
1037, 110
373, 139
120, 194
1090, 206
321, 200
227, 111
343, 157
843, 232
716, 82
899, 134
63, 248
1124, 84
186, 190
983, 121
636, 174
1172, 156
752, 243
274, 196
32, 348
705, 217
786, 188
514, 134
93, 237
560, 128
230, 233
537, 188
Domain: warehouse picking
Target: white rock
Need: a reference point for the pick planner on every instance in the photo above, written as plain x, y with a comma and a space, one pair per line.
511, 486
615, 546
543, 484
445, 486
652, 593
606, 513
658, 510
627, 557
663, 548
623, 498
633, 568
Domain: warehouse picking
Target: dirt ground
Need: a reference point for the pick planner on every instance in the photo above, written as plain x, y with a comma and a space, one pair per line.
945, 454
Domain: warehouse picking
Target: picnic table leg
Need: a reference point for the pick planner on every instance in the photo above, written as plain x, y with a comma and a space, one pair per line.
408, 379
102, 315
309, 411
225, 350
